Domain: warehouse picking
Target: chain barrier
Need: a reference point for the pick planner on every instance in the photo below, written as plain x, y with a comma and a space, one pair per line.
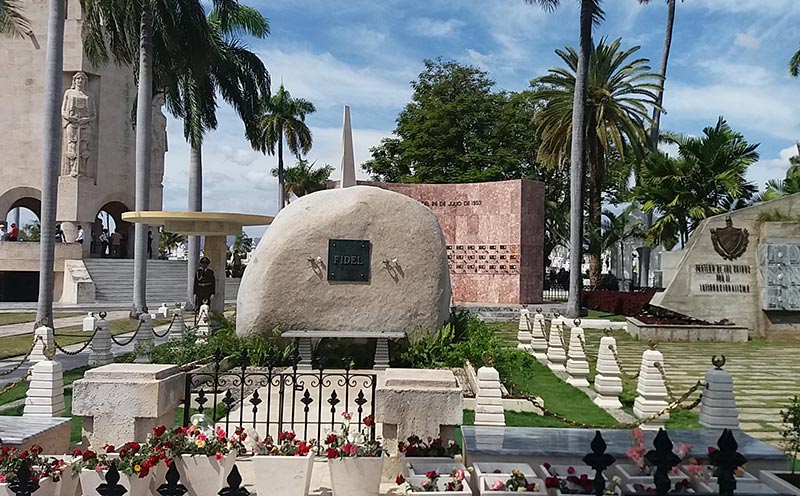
619, 364
10, 386
78, 351
126, 343
24, 358
583, 345
661, 371
168, 328
561, 337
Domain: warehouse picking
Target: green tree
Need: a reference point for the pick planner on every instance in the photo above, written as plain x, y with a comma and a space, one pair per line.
32, 231
644, 273
242, 243
13, 22
709, 172
621, 89
619, 228
302, 178
162, 40
283, 118
239, 77
168, 241
794, 64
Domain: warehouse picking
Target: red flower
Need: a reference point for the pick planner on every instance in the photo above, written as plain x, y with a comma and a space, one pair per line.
36, 449
432, 474
547, 466
400, 479
160, 430
303, 449
712, 449
332, 453
369, 421
552, 482
570, 470
23, 454
330, 439
76, 452
88, 455
530, 487
497, 471
133, 446
413, 440
218, 456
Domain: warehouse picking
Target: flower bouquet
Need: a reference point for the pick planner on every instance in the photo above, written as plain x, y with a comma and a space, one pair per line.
434, 483
355, 460
703, 476
283, 467
639, 471
517, 482
429, 455
566, 479
49, 472
135, 466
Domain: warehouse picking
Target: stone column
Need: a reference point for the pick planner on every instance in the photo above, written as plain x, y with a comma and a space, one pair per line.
489, 400
718, 404
524, 329
304, 350
43, 344
176, 332
555, 348
89, 322
216, 250
608, 378
122, 402
577, 366
101, 344
45, 396
381, 354
538, 337
651, 391
144, 339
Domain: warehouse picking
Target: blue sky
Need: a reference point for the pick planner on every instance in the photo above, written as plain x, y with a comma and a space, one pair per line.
729, 57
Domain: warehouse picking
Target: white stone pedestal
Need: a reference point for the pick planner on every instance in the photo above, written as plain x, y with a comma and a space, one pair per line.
381, 354
608, 377
101, 345
178, 325
122, 402
556, 357
43, 343
651, 390
489, 400
524, 329
718, 405
144, 339
89, 322
577, 366
45, 396
538, 337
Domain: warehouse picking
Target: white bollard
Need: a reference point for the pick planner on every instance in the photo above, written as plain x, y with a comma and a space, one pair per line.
163, 311
556, 357
524, 329
203, 324
718, 405
577, 366
651, 390
45, 396
101, 344
608, 379
538, 337
43, 344
178, 325
489, 400
144, 339
89, 322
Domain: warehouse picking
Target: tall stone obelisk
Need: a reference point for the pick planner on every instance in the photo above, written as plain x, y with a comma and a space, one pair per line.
348, 158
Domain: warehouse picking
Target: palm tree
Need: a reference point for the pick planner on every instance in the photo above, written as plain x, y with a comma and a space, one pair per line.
620, 228
703, 181
303, 179
590, 14
644, 272
794, 64
240, 77
162, 39
51, 156
283, 117
620, 91
12, 22
168, 241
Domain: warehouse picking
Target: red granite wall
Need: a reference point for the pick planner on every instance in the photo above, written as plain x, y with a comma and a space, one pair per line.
494, 233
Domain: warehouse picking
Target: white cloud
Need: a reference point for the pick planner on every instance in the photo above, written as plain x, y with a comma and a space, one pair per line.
772, 168
435, 28
772, 7
747, 40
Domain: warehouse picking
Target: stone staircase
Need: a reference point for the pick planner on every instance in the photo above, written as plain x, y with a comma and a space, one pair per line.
166, 281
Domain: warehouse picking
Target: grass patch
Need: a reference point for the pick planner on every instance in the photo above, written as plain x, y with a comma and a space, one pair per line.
595, 314
7, 318
11, 346
519, 419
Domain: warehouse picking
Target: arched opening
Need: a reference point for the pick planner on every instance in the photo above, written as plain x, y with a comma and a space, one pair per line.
112, 237
24, 216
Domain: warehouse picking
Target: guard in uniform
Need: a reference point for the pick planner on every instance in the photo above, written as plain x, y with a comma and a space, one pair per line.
204, 283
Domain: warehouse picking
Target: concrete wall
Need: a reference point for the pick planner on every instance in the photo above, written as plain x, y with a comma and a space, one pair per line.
685, 293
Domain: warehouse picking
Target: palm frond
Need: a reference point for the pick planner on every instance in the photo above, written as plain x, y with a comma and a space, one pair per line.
12, 21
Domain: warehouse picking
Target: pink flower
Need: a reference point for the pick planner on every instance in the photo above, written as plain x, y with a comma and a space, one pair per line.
347, 415
459, 475
2, 479
218, 456
498, 485
571, 470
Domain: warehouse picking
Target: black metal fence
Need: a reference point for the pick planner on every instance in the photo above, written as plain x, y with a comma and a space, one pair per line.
273, 399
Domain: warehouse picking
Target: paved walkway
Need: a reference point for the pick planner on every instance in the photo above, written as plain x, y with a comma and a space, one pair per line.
766, 374
26, 327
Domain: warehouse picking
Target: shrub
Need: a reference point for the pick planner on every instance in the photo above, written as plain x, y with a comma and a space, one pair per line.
448, 347
617, 302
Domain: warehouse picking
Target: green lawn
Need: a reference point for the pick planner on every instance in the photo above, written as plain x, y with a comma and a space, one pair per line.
7, 318
11, 346
595, 314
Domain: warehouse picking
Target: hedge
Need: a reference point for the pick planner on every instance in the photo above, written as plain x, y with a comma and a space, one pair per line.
628, 303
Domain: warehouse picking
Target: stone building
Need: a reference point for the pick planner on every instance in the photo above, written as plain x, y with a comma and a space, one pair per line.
97, 163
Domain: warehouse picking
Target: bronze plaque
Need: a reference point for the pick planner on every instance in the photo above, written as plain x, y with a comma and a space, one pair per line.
730, 242
349, 260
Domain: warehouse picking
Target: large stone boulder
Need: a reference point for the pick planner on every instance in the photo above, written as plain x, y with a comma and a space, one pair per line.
286, 284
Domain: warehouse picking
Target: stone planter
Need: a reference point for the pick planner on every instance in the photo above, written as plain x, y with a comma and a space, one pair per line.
747, 486
630, 474
710, 485
441, 484
67, 486
650, 487
356, 476
487, 481
135, 485
204, 475
686, 332
485, 469
563, 471
772, 479
414, 466
282, 475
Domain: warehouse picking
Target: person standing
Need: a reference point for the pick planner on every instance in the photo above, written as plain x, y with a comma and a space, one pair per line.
116, 241
80, 236
204, 283
103, 243
60, 238
149, 244
13, 233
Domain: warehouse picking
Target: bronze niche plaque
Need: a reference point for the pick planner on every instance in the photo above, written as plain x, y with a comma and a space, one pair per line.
729, 242
349, 260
